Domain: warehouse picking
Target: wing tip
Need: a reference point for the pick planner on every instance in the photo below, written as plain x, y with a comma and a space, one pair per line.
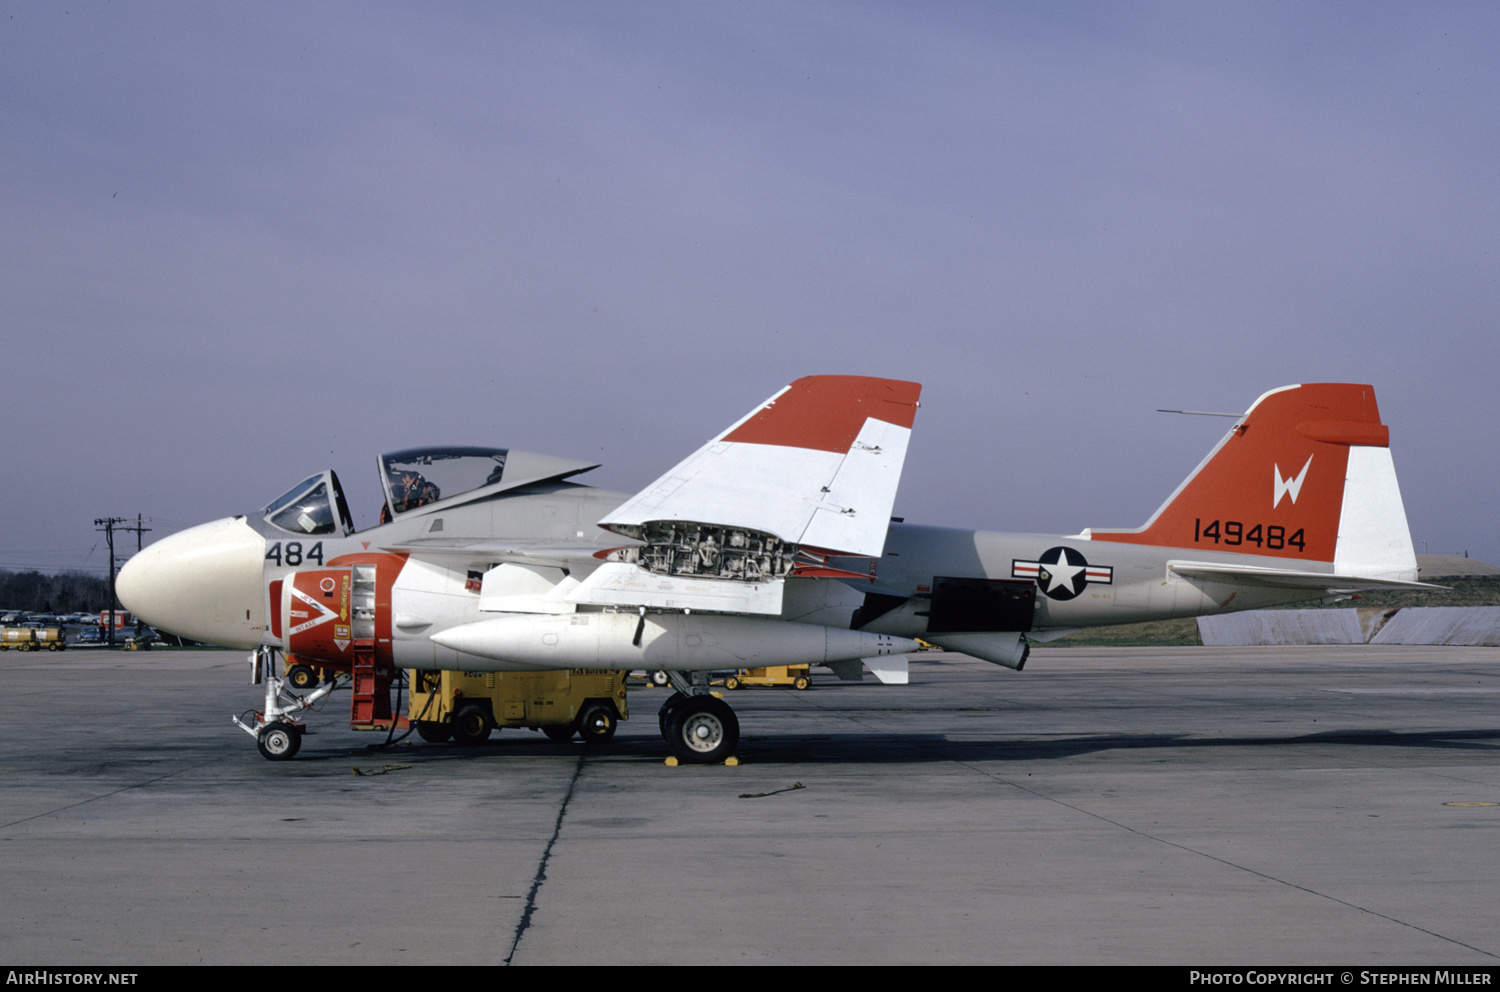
826, 412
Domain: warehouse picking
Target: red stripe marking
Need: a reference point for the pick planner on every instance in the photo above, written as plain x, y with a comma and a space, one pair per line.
826, 412
276, 608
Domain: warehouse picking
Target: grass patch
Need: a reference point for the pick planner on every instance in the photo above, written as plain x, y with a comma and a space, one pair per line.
1467, 590
1152, 633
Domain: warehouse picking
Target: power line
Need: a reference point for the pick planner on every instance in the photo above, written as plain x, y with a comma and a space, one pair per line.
109, 525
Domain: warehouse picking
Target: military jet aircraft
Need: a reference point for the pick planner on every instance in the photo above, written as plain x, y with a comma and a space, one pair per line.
770, 545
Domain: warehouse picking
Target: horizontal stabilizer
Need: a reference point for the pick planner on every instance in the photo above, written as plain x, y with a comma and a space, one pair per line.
1290, 578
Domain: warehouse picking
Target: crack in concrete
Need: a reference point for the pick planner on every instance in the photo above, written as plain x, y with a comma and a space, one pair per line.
541, 868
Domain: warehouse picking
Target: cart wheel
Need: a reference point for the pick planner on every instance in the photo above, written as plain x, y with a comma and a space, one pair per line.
55, 646
597, 723
472, 725
703, 731
731, 683
558, 731
660, 679
278, 740
433, 732
302, 677
802, 682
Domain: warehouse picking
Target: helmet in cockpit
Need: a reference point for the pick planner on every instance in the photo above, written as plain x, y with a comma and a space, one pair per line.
410, 489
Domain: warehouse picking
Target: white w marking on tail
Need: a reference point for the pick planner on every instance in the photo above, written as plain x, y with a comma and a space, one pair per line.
1288, 486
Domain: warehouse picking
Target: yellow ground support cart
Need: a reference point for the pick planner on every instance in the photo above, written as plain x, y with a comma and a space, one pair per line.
32, 638
466, 706
304, 676
796, 676
20, 638
51, 638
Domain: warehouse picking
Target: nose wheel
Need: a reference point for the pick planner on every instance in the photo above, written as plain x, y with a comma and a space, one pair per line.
279, 741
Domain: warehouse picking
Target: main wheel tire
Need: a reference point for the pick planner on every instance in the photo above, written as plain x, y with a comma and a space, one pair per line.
732, 683
597, 723
558, 732
278, 741
664, 716
302, 677
472, 725
433, 732
703, 731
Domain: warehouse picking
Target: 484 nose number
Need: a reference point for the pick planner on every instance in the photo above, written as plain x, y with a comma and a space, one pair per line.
1233, 533
294, 555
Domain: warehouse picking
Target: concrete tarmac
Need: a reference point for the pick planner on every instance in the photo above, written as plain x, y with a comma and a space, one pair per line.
1192, 806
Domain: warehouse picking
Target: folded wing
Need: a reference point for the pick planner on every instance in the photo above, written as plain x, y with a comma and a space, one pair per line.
811, 472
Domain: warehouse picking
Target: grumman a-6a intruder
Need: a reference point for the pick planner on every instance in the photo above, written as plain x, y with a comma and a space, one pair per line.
770, 545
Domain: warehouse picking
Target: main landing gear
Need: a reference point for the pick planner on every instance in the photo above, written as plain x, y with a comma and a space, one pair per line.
277, 737
699, 728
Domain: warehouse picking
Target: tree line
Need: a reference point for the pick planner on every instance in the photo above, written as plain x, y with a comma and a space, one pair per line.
64, 592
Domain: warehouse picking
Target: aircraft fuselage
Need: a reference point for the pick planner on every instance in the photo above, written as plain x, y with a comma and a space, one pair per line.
1089, 583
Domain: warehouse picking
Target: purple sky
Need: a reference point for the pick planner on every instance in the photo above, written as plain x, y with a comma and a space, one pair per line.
244, 242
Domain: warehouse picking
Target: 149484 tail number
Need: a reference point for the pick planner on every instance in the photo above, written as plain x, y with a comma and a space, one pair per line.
1233, 533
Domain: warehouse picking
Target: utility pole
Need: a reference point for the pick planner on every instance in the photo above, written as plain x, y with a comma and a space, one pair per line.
109, 525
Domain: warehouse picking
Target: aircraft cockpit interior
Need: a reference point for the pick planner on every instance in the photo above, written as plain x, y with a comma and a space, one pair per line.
313, 506
419, 476
414, 478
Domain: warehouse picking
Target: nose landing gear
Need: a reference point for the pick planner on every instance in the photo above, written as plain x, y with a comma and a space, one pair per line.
277, 737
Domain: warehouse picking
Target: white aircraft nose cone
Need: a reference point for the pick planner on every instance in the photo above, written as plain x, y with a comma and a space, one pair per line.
203, 583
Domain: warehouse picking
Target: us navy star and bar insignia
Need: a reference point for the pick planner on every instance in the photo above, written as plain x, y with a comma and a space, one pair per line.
1062, 573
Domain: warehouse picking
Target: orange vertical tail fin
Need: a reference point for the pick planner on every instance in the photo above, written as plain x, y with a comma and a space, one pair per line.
1305, 474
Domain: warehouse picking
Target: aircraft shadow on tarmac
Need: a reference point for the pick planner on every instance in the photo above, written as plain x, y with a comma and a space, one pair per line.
915, 748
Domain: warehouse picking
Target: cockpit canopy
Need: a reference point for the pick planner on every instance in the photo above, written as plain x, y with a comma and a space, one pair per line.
313, 506
418, 476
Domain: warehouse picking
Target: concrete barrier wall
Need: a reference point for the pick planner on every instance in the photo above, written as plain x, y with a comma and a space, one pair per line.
1466, 625
1459, 625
